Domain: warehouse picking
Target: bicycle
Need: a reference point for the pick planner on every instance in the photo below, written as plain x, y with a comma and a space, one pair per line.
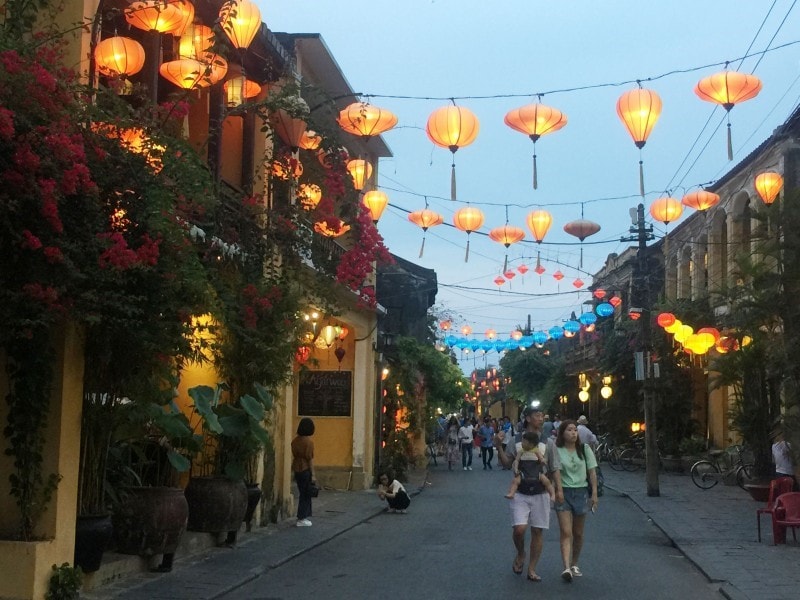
707, 473
604, 446
633, 457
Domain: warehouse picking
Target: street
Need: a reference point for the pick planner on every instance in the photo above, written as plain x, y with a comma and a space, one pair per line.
455, 543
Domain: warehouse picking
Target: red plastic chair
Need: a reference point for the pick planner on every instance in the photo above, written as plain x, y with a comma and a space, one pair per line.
787, 514
778, 486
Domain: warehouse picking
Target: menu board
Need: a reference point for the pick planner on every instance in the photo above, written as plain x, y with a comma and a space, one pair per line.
325, 393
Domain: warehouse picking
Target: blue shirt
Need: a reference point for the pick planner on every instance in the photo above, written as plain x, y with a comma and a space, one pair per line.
487, 433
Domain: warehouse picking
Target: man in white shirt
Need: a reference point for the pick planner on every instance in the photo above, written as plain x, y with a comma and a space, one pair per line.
585, 434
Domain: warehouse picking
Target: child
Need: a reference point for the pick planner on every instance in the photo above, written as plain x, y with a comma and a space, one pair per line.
394, 493
532, 453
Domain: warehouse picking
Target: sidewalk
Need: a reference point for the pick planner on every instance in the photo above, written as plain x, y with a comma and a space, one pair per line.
217, 571
716, 530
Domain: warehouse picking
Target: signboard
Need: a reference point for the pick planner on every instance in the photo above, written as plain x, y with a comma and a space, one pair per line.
325, 393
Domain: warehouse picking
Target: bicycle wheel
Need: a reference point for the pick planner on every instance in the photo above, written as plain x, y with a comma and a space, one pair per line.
704, 474
744, 475
613, 459
629, 459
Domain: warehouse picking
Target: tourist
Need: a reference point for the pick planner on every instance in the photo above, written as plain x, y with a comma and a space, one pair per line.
303, 469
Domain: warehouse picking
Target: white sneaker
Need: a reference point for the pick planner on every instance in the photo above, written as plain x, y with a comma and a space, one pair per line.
465, 468
469, 468
303, 523
576, 572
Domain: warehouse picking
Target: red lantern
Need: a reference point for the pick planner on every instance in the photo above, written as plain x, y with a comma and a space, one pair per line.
499, 280
599, 293
302, 354
558, 275
665, 319
615, 301
522, 269
578, 283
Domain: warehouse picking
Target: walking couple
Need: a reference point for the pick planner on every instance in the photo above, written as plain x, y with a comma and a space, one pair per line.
571, 466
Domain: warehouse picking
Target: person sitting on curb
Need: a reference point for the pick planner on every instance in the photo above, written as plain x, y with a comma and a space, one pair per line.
394, 493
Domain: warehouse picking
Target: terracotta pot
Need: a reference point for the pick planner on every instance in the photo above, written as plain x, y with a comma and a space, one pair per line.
150, 520
216, 504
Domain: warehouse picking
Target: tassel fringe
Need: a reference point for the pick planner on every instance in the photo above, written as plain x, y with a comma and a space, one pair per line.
641, 179
730, 143
453, 182
535, 178
466, 256
422, 247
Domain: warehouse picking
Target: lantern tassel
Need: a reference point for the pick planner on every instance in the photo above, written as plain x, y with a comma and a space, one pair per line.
505, 263
581, 257
641, 179
730, 143
422, 247
453, 182
466, 256
535, 179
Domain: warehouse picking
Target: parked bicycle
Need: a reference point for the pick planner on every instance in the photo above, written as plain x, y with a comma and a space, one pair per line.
720, 465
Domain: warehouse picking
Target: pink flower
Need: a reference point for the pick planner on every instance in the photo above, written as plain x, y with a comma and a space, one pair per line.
30, 241
6, 124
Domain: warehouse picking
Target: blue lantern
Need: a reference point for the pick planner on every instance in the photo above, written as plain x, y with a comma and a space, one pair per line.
588, 318
572, 326
512, 344
474, 345
487, 345
604, 309
462, 343
556, 332
450, 340
539, 337
526, 341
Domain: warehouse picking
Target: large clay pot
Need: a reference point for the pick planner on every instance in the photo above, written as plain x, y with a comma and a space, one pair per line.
92, 535
253, 496
150, 520
216, 504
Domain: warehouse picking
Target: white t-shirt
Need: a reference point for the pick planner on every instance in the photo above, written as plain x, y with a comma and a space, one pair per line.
465, 434
782, 458
586, 436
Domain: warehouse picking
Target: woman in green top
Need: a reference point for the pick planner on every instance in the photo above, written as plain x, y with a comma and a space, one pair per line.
578, 464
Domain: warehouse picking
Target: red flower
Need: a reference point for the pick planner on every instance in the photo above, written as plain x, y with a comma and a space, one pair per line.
30, 241
53, 254
6, 124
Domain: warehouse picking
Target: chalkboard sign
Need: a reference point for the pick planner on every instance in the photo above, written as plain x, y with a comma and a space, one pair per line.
325, 393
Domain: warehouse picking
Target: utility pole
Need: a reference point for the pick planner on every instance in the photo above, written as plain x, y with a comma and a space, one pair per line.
642, 233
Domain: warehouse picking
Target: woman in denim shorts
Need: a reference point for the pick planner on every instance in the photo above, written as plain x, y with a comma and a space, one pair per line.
578, 489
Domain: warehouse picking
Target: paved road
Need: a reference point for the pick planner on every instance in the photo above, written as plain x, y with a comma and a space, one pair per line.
455, 543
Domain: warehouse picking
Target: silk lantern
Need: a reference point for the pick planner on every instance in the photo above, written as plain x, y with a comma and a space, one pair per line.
727, 89
376, 202
119, 56
241, 21
581, 229
539, 222
452, 127
425, 218
700, 200
639, 110
154, 15
290, 126
768, 185
535, 120
360, 170
666, 209
506, 235
366, 120
239, 89
468, 219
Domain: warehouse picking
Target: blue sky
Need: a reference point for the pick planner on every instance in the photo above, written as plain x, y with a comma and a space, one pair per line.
478, 51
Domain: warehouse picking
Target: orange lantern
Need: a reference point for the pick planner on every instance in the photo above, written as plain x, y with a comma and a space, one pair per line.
516, 335
216, 69
509, 275
309, 195
581, 229
452, 127
728, 88
639, 110
446, 325
186, 9
665, 319
289, 127
700, 200
468, 219
364, 119
490, 334
539, 222
535, 120
713, 331
195, 41
506, 235
615, 301
310, 140
186, 73
425, 218
286, 168
466, 330
154, 15
376, 202
768, 185
119, 56
360, 170
327, 230
239, 89
666, 209
241, 21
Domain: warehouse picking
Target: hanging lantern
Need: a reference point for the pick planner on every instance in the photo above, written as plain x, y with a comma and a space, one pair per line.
490, 334
539, 269
309, 195
186, 10
539, 222
674, 326
634, 313
376, 202
558, 275
154, 15
452, 127
581, 229
196, 41
700, 200
578, 283
445, 325
615, 301
364, 119
119, 57
666, 210
509, 275
328, 335
216, 69
727, 89
499, 280
241, 21
516, 335
599, 293
288, 127
639, 110
468, 219
768, 185
310, 140
302, 355
535, 120
425, 218
323, 228
339, 354
604, 309
665, 319
186, 73
712, 331
360, 170
506, 235
523, 269
240, 89
286, 168
588, 318
466, 330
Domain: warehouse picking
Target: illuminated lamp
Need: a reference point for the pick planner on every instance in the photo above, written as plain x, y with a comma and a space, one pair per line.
713, 331
302, 354
509, 275
240, 89
490, 334
636, 427
639, 110
583, 396
216, 69
634, 313
323, 228
558, 275
539, 222
606, 392
195, 41
516, 335
535, 120
376, 202
539, 270
522, 269
615, 301
700, 200
703, 338
604, 309
726, 344
364, 119
186, 73
506, 235
466, 330
310, 140
360, 170
727, 89
666, 209
578, 283
445, 325
682, 334
154, 15
746, 341
665, 319
286, 168
499, 280
452, 127
675, 326
425, 218
241, 21
290, 126
328, 335
599, 293
468, 219
309, 195
119, 56
768, 185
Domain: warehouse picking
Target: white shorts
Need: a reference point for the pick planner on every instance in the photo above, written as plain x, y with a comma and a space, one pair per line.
530, 510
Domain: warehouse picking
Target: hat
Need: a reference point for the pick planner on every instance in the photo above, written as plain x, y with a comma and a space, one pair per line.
529, 410
582, 420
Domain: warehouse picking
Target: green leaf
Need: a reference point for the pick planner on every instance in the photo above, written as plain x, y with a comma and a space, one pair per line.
178, 461
263, 395
252, 407
204, 397
235, 425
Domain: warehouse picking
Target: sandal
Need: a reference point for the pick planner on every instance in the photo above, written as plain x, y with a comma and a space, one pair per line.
534, 578
517, 566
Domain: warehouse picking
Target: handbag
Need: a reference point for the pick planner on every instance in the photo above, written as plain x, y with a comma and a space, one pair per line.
313, 490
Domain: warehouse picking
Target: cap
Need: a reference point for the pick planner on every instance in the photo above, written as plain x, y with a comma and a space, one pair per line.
582, 420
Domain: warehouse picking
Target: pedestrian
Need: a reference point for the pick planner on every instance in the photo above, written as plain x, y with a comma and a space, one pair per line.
530, 506
529, 464
452, 452
303, 469
556, 424
393, 492
585, 434
577, 489
486, 433
548, 429
465, 438
782, 457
